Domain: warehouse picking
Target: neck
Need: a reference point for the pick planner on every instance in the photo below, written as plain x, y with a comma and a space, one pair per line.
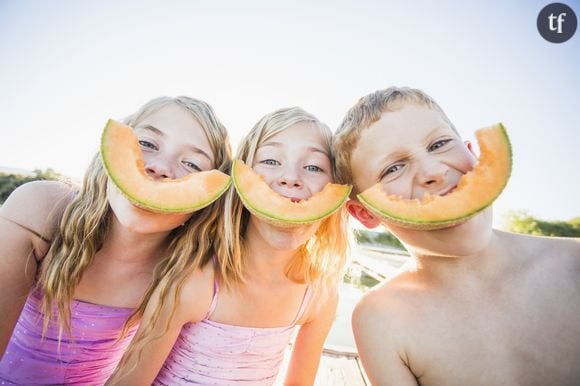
471, 248
455, 258
263, 261
123, 246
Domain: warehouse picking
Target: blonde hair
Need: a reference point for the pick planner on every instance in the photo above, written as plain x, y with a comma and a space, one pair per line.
323, 257
363, 114
85, 225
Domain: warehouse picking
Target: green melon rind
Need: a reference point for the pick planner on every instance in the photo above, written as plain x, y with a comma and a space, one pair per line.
280, 219
149, 205
412, 223
152, 206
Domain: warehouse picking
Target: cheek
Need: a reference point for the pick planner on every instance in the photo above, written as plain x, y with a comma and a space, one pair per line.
321, 183
264, 172
398, 187
465, 160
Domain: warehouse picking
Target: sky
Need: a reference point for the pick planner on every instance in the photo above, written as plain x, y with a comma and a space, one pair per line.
66, 67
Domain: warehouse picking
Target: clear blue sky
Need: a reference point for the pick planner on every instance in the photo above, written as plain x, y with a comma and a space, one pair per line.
68, 66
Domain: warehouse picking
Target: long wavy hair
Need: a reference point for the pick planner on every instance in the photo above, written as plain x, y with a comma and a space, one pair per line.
323, 257
86, 221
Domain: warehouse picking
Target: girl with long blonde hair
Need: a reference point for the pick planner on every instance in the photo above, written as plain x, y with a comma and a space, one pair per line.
231, 320
78, 266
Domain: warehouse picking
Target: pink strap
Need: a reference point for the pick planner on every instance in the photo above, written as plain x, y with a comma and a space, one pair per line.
216, 290
305, 301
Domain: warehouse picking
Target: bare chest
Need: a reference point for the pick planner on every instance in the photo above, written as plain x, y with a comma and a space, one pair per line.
529, 337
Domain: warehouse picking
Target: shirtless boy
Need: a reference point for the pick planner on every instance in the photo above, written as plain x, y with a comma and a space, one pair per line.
479, 306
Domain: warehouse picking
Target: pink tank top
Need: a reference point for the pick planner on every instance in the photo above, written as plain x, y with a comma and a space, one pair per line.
88, 360
211, 353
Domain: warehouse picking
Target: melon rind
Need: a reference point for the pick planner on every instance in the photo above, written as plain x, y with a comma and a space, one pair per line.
123, 161
272, 207
476, 190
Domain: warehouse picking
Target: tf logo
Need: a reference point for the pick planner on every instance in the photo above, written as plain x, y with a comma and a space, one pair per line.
557, 22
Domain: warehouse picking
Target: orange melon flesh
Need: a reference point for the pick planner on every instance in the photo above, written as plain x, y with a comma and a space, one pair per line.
123, 161
475, 191
262, 201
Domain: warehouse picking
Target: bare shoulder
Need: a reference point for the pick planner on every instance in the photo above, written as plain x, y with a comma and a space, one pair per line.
197, 293
382, 332
387, 305
564, 250
38, 205
321, 305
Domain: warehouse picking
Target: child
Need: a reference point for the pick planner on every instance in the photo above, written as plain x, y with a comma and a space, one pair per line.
480, 306
78, 283
230, 320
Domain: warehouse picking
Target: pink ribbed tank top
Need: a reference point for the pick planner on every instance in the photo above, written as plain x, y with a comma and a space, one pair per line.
89, 359
211, 353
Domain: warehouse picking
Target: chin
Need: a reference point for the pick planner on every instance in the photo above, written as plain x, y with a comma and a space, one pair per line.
463, 239
284, 239
142, 221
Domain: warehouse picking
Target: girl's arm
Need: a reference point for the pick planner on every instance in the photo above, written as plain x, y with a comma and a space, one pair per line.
192, 306
28, 220
309, 342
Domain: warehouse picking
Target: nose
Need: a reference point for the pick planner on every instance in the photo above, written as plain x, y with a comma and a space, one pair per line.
158, 169
290, 178
432, 173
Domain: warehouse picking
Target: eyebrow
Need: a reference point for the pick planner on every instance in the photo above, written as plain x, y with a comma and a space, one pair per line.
162, 134
311, 148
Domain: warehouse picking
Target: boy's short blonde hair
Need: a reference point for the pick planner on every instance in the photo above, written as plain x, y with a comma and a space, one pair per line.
363, 114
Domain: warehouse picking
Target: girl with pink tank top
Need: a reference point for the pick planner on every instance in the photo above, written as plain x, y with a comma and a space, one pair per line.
230, 319
77, 267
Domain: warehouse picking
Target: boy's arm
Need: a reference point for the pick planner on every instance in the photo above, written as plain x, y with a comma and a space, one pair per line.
378, 349
308, 345
143, 370
28, 219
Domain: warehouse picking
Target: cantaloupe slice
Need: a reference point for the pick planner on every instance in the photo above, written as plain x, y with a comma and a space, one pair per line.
475, 191
276, 209
123, 161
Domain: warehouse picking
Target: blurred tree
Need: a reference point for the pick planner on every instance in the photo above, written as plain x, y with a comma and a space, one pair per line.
377, 238
522, 222
9, 182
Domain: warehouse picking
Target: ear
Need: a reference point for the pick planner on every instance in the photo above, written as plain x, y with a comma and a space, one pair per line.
469, 146
362, 214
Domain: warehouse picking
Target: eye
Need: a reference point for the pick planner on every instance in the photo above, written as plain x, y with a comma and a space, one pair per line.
147, 144
439, 144
313, 168
271, 162
191, 165
391, 169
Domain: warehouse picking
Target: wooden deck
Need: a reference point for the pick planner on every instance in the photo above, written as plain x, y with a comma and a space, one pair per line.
338, 367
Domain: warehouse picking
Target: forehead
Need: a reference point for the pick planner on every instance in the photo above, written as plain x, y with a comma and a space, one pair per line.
407, 124
298, 135
169, 115
396, 131
176, 123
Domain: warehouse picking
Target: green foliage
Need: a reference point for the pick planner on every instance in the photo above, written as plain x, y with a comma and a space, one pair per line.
377, 238
522, 222
9, 182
